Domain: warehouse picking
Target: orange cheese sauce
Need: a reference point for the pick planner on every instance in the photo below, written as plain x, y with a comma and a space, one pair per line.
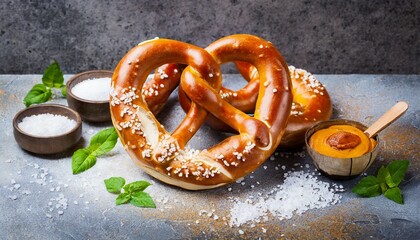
341, 141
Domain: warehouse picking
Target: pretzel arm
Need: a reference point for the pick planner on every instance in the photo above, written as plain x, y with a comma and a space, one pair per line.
156, 91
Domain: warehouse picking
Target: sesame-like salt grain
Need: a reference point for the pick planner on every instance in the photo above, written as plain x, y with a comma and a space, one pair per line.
95, 89
46, 125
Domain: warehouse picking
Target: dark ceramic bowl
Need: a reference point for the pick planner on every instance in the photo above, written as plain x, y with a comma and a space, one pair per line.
89, 110
51, 144
340, 168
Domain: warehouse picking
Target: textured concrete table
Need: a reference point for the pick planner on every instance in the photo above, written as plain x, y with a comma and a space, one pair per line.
41, 199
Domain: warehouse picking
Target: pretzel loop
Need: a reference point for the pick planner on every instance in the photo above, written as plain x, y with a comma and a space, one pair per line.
130, 76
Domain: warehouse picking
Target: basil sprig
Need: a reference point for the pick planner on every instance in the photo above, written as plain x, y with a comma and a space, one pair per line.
40, 93
101, 143
131, 193
386, 182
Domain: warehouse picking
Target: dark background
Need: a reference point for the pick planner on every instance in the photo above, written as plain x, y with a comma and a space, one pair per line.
362, 36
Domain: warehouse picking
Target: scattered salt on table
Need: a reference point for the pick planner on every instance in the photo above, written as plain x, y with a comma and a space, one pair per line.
95, 89
300, 192
46, 125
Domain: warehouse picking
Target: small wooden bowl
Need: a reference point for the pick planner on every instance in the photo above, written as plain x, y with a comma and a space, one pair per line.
91, 111
340, 168
51, 144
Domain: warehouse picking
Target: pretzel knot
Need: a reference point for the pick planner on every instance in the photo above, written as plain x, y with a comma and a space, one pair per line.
164, 155
311, 102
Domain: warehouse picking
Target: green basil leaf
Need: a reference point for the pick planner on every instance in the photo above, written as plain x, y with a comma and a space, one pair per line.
64, 91
397, 171
395, 195
38, 94
82, 160
114, 184
103, 142
123, 198
136, 186
383, 173
384, 178
53, 77
142, 199
368, 187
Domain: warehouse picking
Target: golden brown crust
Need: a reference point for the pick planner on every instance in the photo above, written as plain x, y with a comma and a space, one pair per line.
311, 105
164, 156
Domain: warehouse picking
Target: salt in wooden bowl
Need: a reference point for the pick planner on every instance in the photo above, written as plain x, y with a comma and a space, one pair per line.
47, 144
89, 110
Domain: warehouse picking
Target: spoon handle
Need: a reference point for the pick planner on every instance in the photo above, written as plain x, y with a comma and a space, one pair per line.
385, 120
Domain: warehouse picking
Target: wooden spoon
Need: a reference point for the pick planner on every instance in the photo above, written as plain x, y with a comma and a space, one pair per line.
385, 120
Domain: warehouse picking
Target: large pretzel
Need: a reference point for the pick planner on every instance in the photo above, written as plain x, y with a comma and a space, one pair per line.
311, 102
164, 156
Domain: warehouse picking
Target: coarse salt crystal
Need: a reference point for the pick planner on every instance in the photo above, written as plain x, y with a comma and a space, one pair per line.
95, 89
46, 125
13, 197
26, 192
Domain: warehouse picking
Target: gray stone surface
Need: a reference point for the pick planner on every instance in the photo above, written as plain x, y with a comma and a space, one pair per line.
91, 212
321, 36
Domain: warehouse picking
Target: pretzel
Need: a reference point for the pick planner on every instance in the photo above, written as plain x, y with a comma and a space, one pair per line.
164, 155
311, 102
